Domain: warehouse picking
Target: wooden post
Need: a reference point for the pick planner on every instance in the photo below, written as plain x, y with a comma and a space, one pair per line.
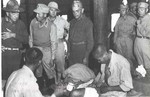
100, 21
23, 15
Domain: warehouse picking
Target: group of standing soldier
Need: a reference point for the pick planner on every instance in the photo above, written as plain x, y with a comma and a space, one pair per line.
47, 31
132, 35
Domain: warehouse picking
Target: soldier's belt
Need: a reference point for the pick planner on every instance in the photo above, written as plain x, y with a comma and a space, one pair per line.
78, 43
13, 49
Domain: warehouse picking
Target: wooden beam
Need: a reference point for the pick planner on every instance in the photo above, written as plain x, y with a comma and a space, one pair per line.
100, 21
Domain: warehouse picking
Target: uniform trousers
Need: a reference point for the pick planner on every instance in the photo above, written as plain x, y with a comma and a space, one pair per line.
11, 60
46, 63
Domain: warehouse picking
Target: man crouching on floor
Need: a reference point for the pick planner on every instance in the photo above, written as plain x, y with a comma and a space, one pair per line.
117, 77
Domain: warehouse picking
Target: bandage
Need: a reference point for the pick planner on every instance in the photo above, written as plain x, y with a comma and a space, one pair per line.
70, 86
141, 70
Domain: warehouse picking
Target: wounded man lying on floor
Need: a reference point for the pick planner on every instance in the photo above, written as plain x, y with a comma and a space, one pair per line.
78, 75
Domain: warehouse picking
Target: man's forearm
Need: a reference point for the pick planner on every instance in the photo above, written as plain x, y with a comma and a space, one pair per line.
105, 89
53, 49
115, 88
30, 41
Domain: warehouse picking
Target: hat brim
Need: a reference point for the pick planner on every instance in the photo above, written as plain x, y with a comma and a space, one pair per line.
13, 10
55, 9
37, 11
58, 10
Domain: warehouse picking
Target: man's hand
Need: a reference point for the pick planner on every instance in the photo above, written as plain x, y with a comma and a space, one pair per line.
59, 90
3, 48
67, 55
8, 34
85, 61
30, 42
99, 80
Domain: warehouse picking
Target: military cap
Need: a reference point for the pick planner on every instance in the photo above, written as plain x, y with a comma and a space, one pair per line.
133, 4
122, 6
142, 5
54, 5
13, 6
42, 8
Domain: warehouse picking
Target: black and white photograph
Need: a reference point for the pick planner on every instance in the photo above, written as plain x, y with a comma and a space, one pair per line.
75, 48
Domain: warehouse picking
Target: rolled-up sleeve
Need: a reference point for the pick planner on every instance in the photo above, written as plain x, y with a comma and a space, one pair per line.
53, 36
31, 36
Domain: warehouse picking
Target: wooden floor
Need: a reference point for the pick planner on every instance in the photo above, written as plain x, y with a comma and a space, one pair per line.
142, 85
